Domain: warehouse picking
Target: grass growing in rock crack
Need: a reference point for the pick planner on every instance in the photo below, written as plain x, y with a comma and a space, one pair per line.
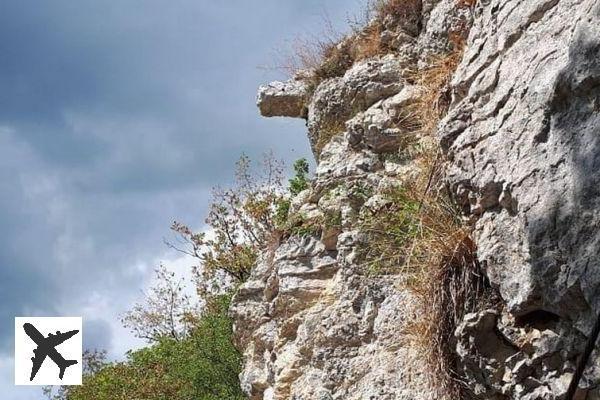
328, 131
418, 233
391, 227
331, 53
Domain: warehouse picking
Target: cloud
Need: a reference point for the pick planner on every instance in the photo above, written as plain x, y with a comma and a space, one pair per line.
117, 118
98, 334
7, 383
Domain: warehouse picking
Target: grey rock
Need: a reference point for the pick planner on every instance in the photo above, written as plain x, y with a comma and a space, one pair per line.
527, 150
386, 124
522, 137
283, 99
338, 99
522, 141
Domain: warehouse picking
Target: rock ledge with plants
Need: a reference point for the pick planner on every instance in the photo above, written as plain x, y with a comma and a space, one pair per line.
447, 246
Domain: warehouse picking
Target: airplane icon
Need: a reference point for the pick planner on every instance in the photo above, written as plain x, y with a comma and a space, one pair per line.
46, 347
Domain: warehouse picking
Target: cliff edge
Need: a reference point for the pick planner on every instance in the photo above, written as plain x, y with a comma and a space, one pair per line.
448, 245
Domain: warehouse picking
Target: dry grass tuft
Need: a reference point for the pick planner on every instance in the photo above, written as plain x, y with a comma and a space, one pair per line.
307, 54
335, 62
331, 53
447, 279
435, 99
419, 235
367, 43
452, 287
403, 9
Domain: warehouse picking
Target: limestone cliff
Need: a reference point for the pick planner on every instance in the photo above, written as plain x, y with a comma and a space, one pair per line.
519, 155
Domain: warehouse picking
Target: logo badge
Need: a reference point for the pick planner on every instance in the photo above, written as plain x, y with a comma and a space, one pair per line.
48, 351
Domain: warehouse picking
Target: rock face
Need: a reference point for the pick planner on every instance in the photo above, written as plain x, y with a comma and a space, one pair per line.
283, 99
522, 142
523, 137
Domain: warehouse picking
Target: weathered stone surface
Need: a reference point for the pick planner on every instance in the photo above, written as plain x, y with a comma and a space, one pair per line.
336, 100
283, 99
523, 137
445, 24
505, 358
384, 126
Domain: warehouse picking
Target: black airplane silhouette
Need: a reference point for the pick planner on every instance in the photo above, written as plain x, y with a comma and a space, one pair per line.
46, 347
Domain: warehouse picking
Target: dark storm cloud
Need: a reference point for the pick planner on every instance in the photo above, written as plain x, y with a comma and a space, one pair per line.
115, 119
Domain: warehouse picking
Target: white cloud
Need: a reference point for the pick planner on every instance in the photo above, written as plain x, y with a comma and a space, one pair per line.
124, 129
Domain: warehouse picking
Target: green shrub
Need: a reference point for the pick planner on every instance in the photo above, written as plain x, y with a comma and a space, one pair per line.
281, 213
299, 226
203, 366
300, 180
298, 183
360, 192
242, 220
332, 219
390, 230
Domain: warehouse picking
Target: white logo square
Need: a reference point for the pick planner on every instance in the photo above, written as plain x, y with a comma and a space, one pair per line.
48, 350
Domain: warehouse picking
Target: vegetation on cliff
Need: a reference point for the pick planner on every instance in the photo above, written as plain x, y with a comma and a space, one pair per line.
202, 365
191, 353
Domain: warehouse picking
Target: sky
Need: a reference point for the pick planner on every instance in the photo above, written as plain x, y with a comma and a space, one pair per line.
117, 118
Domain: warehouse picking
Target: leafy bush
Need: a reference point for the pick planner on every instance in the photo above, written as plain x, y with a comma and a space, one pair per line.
281, 215
241, 221
300, 180
203, 366
298, 183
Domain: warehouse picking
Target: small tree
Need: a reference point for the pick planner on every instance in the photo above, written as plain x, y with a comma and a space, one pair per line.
202, 366
167, 311
241, 222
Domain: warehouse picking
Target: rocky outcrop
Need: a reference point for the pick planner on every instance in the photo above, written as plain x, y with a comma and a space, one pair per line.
311, 322
380, 127
521, 139
283, 99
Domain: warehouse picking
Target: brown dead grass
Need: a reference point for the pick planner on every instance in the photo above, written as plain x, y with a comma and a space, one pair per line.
435, 255
443, 259
307, 54
466, 3
397, 8
435, 98
331, 53
445, 277
367, 43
